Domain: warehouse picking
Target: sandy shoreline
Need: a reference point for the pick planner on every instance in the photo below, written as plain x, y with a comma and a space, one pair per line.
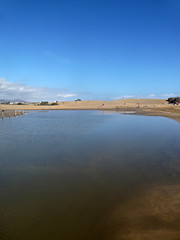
149, 107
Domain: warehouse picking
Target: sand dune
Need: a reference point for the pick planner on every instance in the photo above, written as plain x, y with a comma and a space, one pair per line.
158, 107
132, 103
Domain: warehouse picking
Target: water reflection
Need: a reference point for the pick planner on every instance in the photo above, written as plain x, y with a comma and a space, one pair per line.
70, 174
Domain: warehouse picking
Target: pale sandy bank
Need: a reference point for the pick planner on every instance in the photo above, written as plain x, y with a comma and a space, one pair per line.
156, 107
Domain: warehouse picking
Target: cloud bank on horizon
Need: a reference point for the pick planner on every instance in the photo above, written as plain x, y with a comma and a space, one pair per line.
10, 90
149, 96
19, 90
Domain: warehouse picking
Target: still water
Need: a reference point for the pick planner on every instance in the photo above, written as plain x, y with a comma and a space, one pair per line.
64, 175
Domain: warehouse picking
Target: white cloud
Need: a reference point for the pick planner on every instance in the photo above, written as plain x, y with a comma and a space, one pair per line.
152, 95
123, 97
169, 95
68, 95
10, 90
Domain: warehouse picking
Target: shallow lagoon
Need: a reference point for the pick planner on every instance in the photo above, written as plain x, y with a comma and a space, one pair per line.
88, 175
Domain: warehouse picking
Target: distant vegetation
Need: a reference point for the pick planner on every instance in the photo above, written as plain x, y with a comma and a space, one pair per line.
54, 103
44, 103
174, 100
78, 100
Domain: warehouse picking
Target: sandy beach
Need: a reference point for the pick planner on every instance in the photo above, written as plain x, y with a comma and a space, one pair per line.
149, 107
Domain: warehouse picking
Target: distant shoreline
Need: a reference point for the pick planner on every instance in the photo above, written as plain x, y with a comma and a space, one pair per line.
148, 107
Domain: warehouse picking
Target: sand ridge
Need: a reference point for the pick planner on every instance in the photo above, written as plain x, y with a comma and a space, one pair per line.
95, 104
151, 107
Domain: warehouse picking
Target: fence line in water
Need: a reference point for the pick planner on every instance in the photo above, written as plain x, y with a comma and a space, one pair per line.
11, 113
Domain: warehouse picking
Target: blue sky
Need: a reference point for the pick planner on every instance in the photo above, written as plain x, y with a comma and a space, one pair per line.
93, 49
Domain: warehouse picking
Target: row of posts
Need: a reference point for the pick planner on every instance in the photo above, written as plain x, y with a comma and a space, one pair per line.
11, 113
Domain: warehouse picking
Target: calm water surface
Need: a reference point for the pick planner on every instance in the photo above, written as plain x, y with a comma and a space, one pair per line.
63, 172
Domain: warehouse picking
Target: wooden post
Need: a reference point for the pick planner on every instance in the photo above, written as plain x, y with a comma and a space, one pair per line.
9, 114
15, 113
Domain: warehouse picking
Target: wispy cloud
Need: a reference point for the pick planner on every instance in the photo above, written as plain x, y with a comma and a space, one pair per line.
165, 95
57, 58
67, 95
123, 97
20, 90
152, 95
10, 90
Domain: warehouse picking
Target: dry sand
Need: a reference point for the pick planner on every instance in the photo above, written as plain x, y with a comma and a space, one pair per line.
151, 107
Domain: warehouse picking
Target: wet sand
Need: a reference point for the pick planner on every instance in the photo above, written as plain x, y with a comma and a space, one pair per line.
153, 214
152, 211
